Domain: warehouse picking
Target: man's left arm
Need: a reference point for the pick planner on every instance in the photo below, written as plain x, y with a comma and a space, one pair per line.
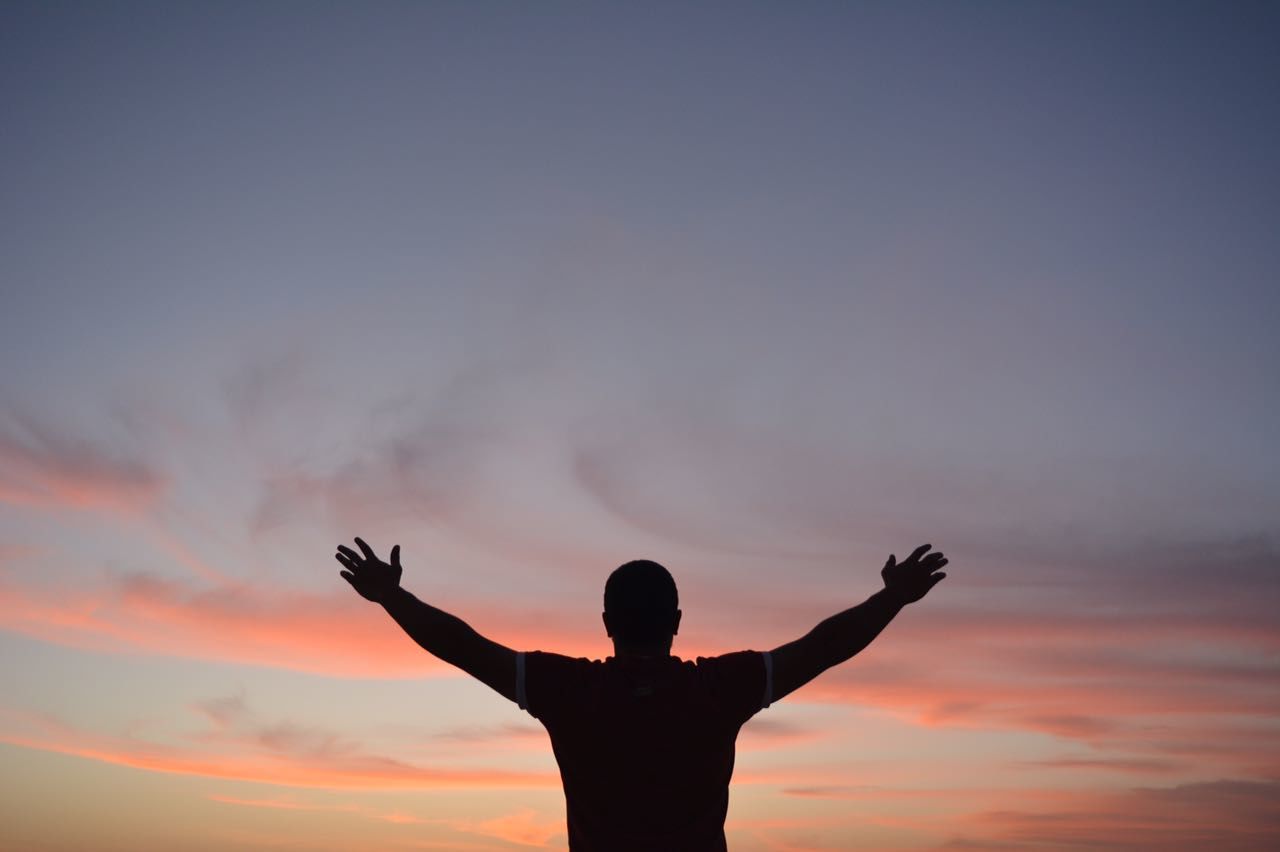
444, 635
846, 633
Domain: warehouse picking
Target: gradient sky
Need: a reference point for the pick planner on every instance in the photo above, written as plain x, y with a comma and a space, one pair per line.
762, 291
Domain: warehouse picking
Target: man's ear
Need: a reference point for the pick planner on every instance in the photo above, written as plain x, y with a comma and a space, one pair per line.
608, 631
675, 625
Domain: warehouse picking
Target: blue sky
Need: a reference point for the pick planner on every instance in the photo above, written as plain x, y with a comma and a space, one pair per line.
761, 291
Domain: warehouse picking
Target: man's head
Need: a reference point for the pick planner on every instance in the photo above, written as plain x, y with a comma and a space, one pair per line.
641, 607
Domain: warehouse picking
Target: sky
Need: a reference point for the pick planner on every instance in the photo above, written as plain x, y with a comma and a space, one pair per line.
761, 291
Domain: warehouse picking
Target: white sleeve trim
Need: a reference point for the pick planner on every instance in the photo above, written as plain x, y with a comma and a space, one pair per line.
768, 680
521, 698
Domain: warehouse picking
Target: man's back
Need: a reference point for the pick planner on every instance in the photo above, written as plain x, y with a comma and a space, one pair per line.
645, 744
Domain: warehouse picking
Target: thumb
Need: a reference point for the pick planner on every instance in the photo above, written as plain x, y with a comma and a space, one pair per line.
395, 556
891, 561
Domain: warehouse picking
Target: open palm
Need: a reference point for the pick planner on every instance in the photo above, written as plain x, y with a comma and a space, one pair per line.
912, 578
367, 574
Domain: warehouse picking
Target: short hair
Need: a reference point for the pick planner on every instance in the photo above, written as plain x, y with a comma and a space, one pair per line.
641, 600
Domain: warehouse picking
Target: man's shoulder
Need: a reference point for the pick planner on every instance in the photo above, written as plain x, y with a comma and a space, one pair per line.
545, 679
742, 679
551, 656
731, 659
548, 661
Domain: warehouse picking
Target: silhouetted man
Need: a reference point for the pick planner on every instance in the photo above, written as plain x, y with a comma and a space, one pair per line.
644, 740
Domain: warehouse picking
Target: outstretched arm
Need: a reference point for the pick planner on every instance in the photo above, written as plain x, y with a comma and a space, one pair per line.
845, 634
444, 635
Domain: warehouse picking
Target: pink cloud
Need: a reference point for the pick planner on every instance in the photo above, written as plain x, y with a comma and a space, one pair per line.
763, 732
337, 634
1100, 679
285, 804
1092, 678
43, 469
524, 827
1222, 815
297, 762
1067, 706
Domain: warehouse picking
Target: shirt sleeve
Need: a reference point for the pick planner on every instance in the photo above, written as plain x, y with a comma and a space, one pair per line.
546, 684
741, 682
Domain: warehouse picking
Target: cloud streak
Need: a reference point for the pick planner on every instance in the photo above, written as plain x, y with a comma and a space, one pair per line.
42, 468
280, 754
334, 634
1098, 678
1224, 814
523, 827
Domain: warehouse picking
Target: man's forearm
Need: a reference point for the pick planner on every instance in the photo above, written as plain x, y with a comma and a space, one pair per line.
434, 629
846, 633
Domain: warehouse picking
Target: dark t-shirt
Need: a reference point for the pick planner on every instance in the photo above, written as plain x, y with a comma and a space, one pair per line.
645, 745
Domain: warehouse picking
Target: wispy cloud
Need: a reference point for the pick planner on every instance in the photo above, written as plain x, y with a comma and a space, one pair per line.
523, 827
505, 734
42, 467
762, 732
290, 804
416, 456
336, 634
1145, 766
1094, 676
279, 753
1225, 814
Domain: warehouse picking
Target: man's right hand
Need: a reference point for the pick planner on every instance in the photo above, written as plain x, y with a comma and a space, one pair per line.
912, 578
374, 579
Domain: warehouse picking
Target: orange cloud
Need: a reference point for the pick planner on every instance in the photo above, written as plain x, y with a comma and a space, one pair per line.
336, 634
331, 768
1100, 679
763, 732
397, 817
278, 804
1062, 673
1059, 676
1152, 726
524, 827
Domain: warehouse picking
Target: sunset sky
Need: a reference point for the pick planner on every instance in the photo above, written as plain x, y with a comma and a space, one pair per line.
761, 291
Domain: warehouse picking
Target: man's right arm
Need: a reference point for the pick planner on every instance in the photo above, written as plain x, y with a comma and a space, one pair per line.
436, 631
845, 634
454, 641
